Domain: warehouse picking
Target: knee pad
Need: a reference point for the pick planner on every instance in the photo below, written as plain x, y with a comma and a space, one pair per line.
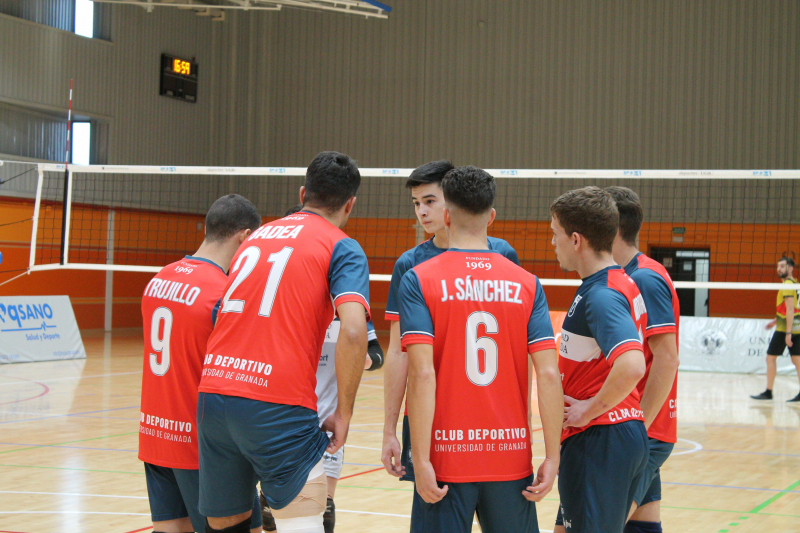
304, 513
638, 526
329, 518
241, 527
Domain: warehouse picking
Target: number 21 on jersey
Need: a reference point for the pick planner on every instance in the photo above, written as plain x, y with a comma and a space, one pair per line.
250, 258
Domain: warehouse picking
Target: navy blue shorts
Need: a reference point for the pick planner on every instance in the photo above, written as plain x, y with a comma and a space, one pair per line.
649, 487
405, 454
600, 468
500, 506
243, 441
174, 493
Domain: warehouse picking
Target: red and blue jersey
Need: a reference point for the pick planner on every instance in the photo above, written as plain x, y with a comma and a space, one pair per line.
663, 316
483, 315
421, 253
607, 318
177, 309
285, 283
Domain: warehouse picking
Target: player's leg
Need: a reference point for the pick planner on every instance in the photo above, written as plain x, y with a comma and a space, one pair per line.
503, 509
452, 514
227, 479
406, 459
333, 471
646, 516
794, 350
777, 345
167, 508
304, 513
599, 469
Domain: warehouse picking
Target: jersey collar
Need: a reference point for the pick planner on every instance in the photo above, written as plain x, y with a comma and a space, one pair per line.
600, 273
633, 262
204, 260
472, 251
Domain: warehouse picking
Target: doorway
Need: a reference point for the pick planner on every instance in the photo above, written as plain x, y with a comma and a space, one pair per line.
687, 264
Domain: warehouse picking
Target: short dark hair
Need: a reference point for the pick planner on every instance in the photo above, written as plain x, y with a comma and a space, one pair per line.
332, 179
229, 215
294, 209
788, 260
469, 188
432, 172
630, 210
590, 211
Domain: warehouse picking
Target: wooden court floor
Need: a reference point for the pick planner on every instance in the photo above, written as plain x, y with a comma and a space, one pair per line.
68, 453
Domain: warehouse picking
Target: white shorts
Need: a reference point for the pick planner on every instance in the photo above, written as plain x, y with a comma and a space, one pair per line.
333, 463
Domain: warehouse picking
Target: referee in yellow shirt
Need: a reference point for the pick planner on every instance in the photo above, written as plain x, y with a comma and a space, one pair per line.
787, 312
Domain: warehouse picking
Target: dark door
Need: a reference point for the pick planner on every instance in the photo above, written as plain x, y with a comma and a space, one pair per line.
684, 264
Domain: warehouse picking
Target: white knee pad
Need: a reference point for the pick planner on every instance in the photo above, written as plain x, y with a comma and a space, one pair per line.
304, 514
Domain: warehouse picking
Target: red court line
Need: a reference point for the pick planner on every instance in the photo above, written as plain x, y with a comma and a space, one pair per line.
134, 531
46, 390
16, 532
345, 477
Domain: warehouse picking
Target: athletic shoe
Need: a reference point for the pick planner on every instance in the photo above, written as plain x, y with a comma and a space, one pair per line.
766, 395
267, 521
795, 399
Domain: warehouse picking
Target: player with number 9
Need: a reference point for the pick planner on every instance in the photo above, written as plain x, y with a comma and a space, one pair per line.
178, 308
470, 319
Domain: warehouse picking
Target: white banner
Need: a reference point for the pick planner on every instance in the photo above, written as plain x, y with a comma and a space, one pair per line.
38, 328
737, 345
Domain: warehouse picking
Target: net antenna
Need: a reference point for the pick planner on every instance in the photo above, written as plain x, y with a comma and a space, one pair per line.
140, 218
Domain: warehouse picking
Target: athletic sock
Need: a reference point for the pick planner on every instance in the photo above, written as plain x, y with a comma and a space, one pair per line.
241, 527
329, 518
639, 526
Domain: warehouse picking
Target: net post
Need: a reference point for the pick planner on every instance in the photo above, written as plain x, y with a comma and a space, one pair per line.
36, 206
66, 217
109, 296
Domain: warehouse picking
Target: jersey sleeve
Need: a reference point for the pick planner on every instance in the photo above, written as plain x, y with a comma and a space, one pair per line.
540, 329
657, 296
348, 274
507, 251
393, 303
788, 293
416, 324
609, 318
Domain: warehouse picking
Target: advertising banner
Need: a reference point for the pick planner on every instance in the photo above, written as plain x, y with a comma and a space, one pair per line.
737, 345
38, 328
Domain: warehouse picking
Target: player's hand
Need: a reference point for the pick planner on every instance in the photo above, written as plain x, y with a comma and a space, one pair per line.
390, 456
339, 426
789, 340
576, 412
544, 481
425, 479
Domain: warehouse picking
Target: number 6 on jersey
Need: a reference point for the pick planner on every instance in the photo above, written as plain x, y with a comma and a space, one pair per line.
475, 344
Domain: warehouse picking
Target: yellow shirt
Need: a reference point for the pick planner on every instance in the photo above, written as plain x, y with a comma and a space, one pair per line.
780, 314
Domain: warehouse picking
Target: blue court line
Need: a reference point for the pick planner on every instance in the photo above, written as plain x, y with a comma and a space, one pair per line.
62, 416
359, 464
752, 453
727, 487
736, 427
105, 417
364, 431
373, 377
70, 447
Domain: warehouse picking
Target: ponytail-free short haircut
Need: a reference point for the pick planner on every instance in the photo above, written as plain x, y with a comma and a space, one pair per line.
294, 209
788, 260
590, 211
469, 188
432, 172
630, 210
229, 215
332, 179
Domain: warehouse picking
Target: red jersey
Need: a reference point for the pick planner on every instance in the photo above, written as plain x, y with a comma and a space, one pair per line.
607, 318
177, 309
483, 315
285, 282
663, 316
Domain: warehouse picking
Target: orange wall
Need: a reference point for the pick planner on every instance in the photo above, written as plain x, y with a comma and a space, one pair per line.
739, 252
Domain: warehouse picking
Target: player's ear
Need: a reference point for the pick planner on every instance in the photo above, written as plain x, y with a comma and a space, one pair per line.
576, 240
491, 217
244, 234
348, 206
302, 194
446, 217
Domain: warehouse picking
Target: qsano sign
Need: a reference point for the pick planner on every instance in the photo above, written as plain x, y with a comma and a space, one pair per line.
38, 328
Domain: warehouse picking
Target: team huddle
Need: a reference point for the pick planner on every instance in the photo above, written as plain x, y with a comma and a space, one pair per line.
256, 344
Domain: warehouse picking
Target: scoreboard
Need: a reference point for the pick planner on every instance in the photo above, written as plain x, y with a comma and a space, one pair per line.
178, 78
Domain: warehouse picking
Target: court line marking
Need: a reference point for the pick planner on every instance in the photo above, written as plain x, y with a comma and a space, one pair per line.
361, 473
697, 447
56, 511
74, 494
69, 414
348, 446
32, 446
371, 386
782, 493
74, 469
45, 391
728, 487
404, 516
72, 377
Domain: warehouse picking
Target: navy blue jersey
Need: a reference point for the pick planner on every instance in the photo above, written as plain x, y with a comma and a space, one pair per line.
421, 253
607, 318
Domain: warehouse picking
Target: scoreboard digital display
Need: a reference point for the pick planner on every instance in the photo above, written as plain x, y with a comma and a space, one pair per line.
178, 78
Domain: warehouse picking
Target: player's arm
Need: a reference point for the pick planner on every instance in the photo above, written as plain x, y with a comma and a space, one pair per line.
349, 285
613, 328
541, 346
416, 325
395, 377
789, 301
662, 339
